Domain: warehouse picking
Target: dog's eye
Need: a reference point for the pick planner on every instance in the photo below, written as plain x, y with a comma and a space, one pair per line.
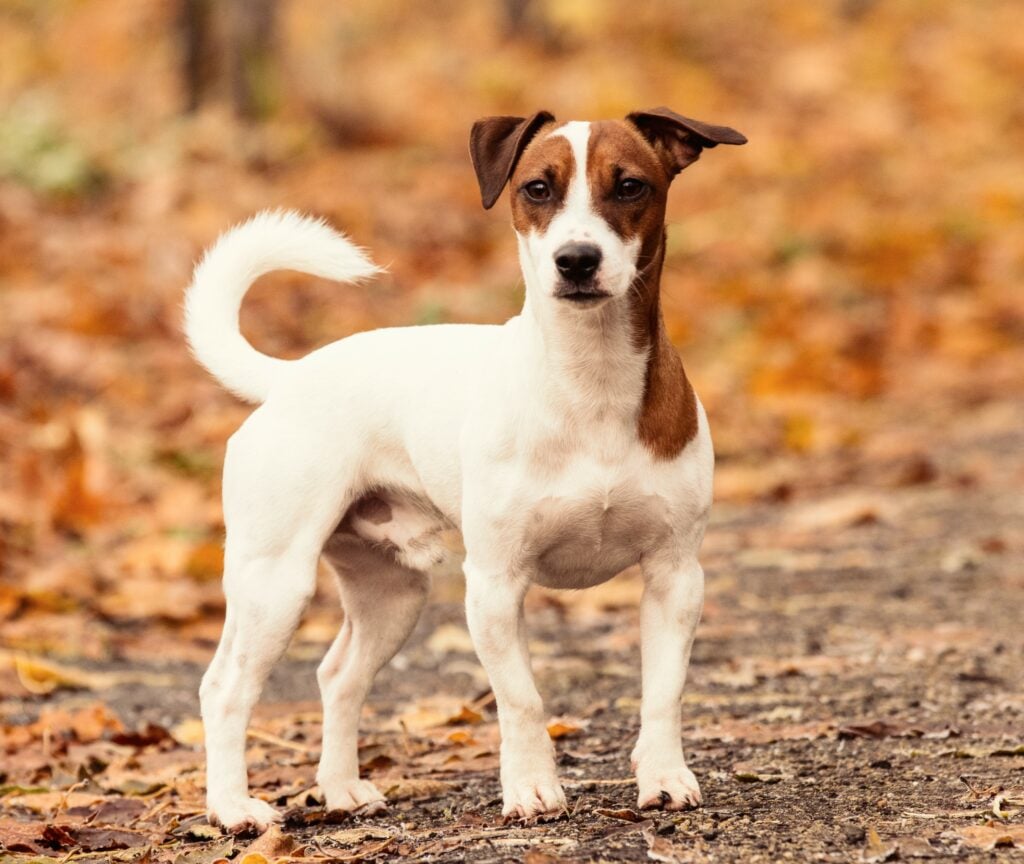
629, 189
537, 190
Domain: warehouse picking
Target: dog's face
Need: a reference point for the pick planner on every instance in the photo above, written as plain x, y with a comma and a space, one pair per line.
588, 199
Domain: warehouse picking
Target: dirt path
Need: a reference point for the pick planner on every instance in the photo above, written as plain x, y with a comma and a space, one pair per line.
856, 693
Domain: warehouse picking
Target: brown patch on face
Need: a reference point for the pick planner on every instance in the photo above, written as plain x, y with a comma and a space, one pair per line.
373, 509
617, 151
548, 158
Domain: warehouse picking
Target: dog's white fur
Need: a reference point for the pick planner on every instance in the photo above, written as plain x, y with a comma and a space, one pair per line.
523, 436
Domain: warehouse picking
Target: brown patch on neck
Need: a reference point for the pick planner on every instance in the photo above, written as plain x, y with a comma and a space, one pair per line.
668, 413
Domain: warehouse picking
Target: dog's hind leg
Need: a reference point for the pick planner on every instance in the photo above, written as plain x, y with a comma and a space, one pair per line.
266, 598
279, 507
382, 601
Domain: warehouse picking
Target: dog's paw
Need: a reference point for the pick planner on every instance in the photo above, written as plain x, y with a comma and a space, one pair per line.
675, 789
350, 796
528, 800
243, 816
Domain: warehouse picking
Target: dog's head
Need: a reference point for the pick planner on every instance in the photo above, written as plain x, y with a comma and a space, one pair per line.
588, 199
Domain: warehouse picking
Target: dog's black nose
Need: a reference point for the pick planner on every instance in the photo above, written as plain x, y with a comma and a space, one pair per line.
578, 262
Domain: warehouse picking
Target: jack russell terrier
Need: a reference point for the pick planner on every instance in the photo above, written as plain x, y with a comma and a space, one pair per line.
566, 444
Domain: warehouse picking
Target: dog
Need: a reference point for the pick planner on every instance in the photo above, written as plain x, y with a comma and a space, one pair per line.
566, 445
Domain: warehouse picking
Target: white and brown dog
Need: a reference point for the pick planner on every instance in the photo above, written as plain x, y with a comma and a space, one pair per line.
566, 445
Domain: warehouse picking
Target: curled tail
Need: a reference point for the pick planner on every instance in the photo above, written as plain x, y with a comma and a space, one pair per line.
282, 240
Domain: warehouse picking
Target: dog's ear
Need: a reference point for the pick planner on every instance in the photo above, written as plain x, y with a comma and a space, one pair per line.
496, 143
678, 140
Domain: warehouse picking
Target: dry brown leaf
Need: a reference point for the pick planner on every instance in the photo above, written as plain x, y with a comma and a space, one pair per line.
352, 836
205, 561
661, 849
876, 850
274, 843
189, 732
449, 638
465, 715
623, 815
848, 510
993, 835
412, 788
42, 676
437, 712
46, 803
565, 727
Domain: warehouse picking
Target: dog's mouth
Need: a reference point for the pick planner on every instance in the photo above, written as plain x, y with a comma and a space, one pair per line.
581, 295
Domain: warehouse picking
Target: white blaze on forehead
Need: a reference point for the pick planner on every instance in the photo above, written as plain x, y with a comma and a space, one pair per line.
577, 221
577, 200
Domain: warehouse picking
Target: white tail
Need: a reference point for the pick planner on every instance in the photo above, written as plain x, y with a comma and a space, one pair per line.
281, 240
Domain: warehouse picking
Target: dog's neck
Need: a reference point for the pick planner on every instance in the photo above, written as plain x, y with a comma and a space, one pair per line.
668, 412
615, 364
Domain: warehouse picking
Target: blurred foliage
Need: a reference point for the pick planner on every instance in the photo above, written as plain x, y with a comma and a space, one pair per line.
844, 289
36, 151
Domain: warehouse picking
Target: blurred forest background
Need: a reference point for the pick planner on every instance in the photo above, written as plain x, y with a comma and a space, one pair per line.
848, 285
846, 290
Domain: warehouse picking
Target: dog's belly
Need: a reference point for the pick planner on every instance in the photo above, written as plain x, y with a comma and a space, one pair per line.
398, 522
579, 542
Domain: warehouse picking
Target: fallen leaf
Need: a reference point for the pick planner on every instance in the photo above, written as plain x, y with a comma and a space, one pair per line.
465, 715
877, 729
50, 802
993, 836
417, 788
352, 836
205, 561
745, 772
207, 853
660, 849
18, 836
274, 843
435, 712
58, 837
450, 638
849, 510
623, 815
915, 847
101, 839
564, 727
189, 732
875, 850
41, 676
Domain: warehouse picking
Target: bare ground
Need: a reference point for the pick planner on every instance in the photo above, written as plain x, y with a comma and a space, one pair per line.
856, 693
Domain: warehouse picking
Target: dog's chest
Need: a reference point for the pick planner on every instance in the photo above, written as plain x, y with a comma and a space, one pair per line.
589, 524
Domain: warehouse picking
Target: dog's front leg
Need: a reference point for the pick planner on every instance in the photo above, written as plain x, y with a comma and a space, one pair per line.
494, 611
669, 612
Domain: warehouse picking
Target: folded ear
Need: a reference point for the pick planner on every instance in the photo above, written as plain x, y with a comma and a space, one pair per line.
496, 143
678, 140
